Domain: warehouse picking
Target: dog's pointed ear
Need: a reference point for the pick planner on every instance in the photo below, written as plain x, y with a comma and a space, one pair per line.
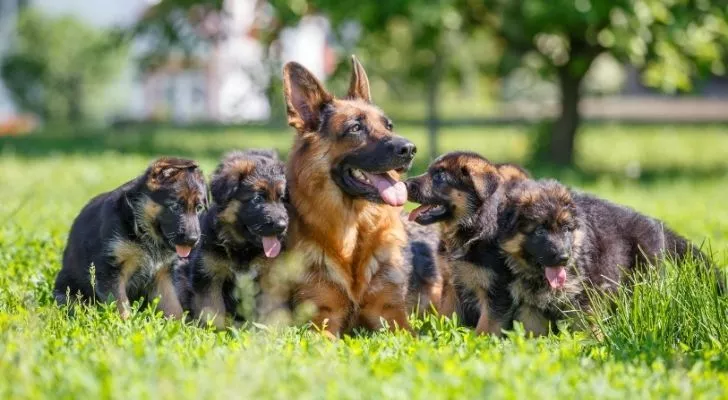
359, 83
305, 96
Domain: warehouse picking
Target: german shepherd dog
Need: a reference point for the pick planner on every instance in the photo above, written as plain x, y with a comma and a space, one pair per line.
133, 236
247, 222
345, 190
463, 191
558, 242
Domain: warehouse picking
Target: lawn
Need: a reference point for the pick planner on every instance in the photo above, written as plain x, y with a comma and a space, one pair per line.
670, 340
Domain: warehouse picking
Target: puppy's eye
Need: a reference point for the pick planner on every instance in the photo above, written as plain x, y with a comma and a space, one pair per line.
257, 197
200, 208
540, 230
389, 125
354, 129
438, 177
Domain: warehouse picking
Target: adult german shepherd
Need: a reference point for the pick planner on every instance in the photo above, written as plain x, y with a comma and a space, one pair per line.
133, 236
345, 190
245, 225
463, 193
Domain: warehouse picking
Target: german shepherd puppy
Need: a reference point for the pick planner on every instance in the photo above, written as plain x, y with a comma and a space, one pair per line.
133, 236
247, 221
345, 190
463, 191
559, 241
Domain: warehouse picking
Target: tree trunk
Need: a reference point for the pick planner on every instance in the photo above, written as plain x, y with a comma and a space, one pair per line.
561, 146
75, 99
433, 105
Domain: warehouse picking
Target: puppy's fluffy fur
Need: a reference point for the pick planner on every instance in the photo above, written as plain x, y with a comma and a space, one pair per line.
558, 242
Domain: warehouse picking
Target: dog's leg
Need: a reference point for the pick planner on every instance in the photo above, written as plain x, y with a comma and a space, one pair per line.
331, 303
533, 320
122, 300
388, 304
484, 321
164, 288
209, 305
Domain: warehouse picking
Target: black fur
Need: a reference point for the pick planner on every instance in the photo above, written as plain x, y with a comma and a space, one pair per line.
597, 242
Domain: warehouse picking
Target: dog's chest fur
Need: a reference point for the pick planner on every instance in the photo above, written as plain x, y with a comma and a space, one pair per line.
141, 261
360, 249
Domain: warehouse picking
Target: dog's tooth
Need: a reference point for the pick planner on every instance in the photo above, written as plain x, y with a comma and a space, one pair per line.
359, 175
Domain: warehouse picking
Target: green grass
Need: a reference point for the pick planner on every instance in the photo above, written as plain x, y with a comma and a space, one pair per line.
665, 338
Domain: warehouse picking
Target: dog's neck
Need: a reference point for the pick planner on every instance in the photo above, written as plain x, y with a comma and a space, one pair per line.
223, 238
461, 234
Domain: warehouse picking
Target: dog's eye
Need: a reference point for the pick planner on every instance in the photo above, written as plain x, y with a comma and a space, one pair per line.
389, 125
354, 129
438, 177
200, 208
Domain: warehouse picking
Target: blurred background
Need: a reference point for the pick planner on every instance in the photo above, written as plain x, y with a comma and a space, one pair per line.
83, 68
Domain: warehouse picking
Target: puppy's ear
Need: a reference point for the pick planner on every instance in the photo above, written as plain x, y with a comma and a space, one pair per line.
359, 82
222, 189
305, 96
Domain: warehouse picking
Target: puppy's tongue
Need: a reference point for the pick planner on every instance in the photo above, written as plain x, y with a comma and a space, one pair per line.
183, 251
417, 211
556, 277
391, 191
271, 246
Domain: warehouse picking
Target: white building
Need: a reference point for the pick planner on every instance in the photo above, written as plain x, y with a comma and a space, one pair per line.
227, 83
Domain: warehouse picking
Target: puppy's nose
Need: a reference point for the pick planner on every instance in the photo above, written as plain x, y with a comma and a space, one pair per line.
562, 258
280, 224
190, 240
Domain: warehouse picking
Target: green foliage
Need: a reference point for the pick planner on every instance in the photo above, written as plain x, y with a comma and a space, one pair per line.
665, 339
60, 67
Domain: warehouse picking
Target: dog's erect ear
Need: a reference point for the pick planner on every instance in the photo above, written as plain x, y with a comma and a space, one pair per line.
305, 97
359, 84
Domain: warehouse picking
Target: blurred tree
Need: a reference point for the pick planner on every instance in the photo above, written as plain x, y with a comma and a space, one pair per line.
59, 66
413, 44
672, 39
177, 26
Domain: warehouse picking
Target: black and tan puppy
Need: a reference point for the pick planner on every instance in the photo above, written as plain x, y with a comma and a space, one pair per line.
462, 192
133, 236
558, 242
246, 223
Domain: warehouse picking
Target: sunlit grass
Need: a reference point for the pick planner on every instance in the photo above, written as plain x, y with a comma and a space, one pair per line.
663, 339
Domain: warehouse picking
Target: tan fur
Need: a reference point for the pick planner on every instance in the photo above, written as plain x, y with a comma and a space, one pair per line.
513, 245
164, 289
533, 320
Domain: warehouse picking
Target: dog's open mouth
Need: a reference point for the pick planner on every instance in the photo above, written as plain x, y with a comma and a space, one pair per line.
271, 246
391, 190
429, 213
556, 276
183, 251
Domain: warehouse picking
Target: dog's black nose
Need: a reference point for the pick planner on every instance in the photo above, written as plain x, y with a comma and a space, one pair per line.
280, 224
562, 258
190, 240
403, 148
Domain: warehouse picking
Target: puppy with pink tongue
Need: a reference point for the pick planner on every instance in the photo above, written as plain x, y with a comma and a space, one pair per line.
242, 231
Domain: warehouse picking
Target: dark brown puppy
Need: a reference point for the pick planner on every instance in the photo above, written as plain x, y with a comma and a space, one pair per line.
246, 225
346, 194
558, 242
133, 236
462, 192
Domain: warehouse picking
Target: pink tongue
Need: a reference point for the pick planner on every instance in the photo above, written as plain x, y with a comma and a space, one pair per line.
556, 276
271, 246
417, 211
392, 192
183, 251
